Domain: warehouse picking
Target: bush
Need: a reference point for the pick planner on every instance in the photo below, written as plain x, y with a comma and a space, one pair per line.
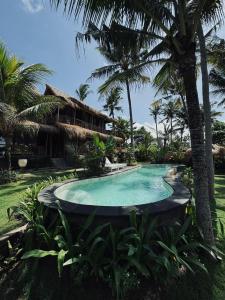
121, 258
219, 163
95, 159
7, 176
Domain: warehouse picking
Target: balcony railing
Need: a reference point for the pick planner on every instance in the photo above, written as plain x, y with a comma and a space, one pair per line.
81, 123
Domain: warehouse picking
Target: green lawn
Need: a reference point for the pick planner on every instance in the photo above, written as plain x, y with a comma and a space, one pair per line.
203, 286
11, 194
220, 196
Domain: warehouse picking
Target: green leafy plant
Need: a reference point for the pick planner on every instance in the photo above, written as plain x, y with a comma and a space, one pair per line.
115, 255
188, 178
95, 160
7, 176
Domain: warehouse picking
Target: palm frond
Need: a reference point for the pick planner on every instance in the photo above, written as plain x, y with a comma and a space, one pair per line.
38, 111
105, 71
83, 91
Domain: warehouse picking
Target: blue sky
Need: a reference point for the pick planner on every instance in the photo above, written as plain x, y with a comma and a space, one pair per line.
38, 34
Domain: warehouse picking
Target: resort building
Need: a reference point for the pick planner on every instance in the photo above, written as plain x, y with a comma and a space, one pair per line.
63, 133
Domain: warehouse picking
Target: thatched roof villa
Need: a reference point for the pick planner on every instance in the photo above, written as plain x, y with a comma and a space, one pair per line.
66, 130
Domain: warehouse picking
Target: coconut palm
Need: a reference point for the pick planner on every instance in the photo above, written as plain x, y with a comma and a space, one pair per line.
168, 82
174, 25
121, 59
19, 98
112, 101
181, 122
83, 91
169, 111
216, 78
122, 128
207, 114
155, 110
216, 54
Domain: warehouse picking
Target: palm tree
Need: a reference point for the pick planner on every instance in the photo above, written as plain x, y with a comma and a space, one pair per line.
155, 111
169, 111
168, 82
207, 117
112, 101
172, 26
216, 55
83, 91
19, 98
164, 134
181, 121
121, 59
122, 128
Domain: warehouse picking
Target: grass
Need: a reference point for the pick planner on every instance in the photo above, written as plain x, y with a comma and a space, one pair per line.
11, 194
209, 286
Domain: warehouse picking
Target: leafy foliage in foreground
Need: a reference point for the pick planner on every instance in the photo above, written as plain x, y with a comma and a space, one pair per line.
118, 257
7, 176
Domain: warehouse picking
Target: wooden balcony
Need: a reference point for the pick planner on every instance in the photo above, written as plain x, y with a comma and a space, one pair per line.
75, 121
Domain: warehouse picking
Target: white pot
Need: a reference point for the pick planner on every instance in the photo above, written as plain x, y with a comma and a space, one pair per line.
22, 163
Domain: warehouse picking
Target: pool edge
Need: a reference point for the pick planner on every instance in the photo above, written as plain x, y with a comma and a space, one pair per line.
180, 197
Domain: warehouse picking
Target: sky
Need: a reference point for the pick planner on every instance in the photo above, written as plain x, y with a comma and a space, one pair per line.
38, 34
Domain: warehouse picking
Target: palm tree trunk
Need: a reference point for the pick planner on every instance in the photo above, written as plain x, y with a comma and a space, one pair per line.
171, 128
113, 116
156, 129
207, 118
8, 148
131, 115
181, 134
183, 102
187, 67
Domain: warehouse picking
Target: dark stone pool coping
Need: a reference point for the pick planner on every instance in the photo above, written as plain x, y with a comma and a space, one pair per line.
180, 197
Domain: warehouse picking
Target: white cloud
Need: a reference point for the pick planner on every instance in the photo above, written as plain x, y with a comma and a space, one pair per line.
33, 6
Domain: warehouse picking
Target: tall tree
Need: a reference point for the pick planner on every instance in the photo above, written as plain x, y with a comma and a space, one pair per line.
83, 91
181, 122
112, 101
122, 129
19, 98
121, 59
207, 117
172, 25
169, 112
155, 110
216, 55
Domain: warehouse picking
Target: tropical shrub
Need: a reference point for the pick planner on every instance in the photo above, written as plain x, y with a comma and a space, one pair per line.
130, 157
154, 153
30, 208
218, 129
120, 257
98, 151
7, 176
219, 162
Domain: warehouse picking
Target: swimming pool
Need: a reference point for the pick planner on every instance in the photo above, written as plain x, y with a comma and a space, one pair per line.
147, 188
137, 187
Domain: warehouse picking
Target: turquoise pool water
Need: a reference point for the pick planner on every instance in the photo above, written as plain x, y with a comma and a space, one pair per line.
140, 186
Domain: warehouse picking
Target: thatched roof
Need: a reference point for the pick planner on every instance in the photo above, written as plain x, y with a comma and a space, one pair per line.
40, 127
216, 150
76, 104
74, 131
